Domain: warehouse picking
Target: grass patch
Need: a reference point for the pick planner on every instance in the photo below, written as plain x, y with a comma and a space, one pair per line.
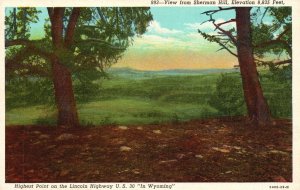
30, 115
153, 100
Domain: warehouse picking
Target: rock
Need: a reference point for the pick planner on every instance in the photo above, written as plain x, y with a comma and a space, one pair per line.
123, 127
64, 173
180, 156
237, 147
64, 126
279, 179
117, 141
89, 136
221, 150
85, 153
36, 143
139, 128
123, 171
228, 172
125, 149
189, 132
156, 131
278, 152
36, 132
43, 136
199, 156
66, 136
162, 146
51, 146
167, 161
136, 171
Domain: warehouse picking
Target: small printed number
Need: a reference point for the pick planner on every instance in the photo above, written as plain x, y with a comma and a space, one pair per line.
131, 186
278, 187
155, 2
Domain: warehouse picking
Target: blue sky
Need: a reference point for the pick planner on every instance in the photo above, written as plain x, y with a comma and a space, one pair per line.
177, 17
172, 41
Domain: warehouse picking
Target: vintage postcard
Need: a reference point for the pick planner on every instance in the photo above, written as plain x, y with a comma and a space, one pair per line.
154, 94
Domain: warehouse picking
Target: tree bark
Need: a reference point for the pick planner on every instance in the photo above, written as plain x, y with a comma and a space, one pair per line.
62, 78
258, 110
64, 96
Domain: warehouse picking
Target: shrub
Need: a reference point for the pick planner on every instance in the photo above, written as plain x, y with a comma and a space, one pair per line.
228, 97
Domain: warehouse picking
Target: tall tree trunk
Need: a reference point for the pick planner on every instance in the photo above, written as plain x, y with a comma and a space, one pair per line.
258, 110
64, 95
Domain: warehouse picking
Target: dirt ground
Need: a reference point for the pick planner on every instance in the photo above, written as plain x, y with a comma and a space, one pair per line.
212, 150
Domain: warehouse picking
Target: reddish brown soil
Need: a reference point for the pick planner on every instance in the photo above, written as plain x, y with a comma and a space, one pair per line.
215, 150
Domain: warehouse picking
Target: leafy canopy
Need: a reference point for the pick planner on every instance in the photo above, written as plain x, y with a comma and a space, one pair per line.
101, 36
271, 34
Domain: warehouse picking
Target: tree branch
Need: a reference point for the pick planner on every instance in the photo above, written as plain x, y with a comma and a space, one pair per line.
91, 40
211, 12
101, 15
278, 40
24, 42
278, 63
50, 13
57, 26
71, 26
273, 42
227, 33
11, 66
283, 62
15, 63
226, 22
284, 32
264, 14
226, 48
30, 44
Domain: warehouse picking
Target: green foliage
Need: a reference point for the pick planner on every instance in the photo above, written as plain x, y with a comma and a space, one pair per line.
271, 41
283, 15
103, 34
100, 37
24, 92
261, 33
278, 34
280, 96
85, 85
135, 101
17, 22
283, 74
228, 97
153, 100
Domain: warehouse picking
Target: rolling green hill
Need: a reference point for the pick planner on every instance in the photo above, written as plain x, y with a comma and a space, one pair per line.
139, 97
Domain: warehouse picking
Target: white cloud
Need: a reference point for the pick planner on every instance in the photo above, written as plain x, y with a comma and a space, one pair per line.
153, 41
188, 41
194, 26
208, 25
195, 35
155, 27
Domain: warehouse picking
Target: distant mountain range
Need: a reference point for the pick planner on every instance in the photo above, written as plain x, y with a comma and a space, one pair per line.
129, 72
